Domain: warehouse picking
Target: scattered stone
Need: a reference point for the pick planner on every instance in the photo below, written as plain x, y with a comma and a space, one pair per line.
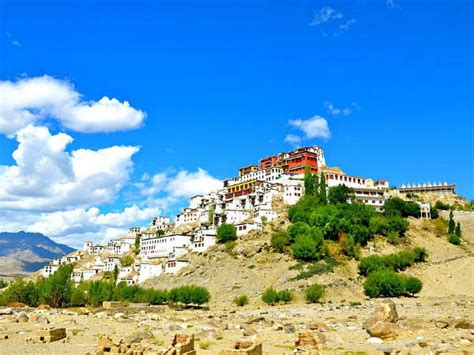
465, 342
111, 304
321, 326
17, 305
119, 316
38, 318
462, 324
289, 328
310, 340
442, 324
244, 348
249, 331
48, 335
5, 311
277, 327
386, 312
374, 340
22, 317
44, 307
383, 330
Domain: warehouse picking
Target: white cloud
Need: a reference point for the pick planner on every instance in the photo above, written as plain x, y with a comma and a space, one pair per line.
334, 111
324, 15
346, 26
181, 185
46, 177
13, 41
314, 127
391, 4
32, 100
293, 139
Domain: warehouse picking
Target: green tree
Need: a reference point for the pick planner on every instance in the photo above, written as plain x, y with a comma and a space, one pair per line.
304, 248
322, 189
384, 283
451, 223
458, 230
59, 287
137, 245
127, 260
116, 273
308, 181
280, 240
340, 194
226, 233
241, 300
316, 188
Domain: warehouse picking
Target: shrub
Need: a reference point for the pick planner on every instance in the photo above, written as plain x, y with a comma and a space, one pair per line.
157, 297
421, 255
226, 233
127, 260
280, 240
397, 207
78, 297
413, 285
314, 293
59, 287
378, 225
241, 300
340, 194
397, 224
297, 229
3, 284
434, 212
393, 238
454, 239
440, 205
321, 267
189, 295
270, 296
385, 283
370, 264
285, 296
304, 248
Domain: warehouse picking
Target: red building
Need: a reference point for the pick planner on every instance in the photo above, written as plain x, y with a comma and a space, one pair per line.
294, 162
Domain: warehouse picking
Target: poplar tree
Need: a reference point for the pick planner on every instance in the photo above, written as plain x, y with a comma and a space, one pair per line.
458, 230
316, 187
322, 190
308, 181
451, 223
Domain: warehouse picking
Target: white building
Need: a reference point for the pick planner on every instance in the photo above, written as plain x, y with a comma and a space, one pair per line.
172, 266
244, 228
202, 240
148, 270
49, 270
163, 246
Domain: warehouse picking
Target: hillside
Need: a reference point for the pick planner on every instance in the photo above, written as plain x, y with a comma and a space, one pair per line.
251, 267
22, 253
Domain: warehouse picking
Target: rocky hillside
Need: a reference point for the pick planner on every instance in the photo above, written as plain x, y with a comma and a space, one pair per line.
22, 253
250, 267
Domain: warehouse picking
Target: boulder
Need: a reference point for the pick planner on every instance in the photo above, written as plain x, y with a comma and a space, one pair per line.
48, 335
385, 312
383, 330
119, 315
38, 318
244, 348
310, 340
5, 311
111, 304
22, 317
462, 324
249, 331
318, 326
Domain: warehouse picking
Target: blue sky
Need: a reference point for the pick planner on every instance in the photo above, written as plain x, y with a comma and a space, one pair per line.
221, 81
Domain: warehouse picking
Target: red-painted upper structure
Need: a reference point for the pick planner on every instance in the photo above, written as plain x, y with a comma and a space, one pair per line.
294, 162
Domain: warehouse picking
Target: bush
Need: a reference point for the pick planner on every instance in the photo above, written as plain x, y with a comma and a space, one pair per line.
241, 300
385, 283
434, 213
314, 293
78, 297
370, 264
340, 194
3, 284
440, 205
189, 295
297, 229
226, 233
454, 239
280, 240
397, 224
321, 267
393, 238
397, 207
127, 260
272, 297
413, 285
421, 255
304, 248
157, 297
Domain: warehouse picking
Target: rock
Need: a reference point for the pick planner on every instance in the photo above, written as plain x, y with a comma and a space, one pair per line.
374, 340
384, 330
44, 307
244, 348
48, 335
111, 304
101, 315
310, 340
5, 311
255, 320
138, 337
318, 326
289, 328
277, 327
38, 318
442, 324
249, 331
465, 342
22, 317
386, 312
119, 315
175, 327
462, 324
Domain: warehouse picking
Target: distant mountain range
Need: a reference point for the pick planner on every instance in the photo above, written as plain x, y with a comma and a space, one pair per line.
22, 253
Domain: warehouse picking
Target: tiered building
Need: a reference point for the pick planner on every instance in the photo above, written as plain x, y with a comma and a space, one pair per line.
247, 201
